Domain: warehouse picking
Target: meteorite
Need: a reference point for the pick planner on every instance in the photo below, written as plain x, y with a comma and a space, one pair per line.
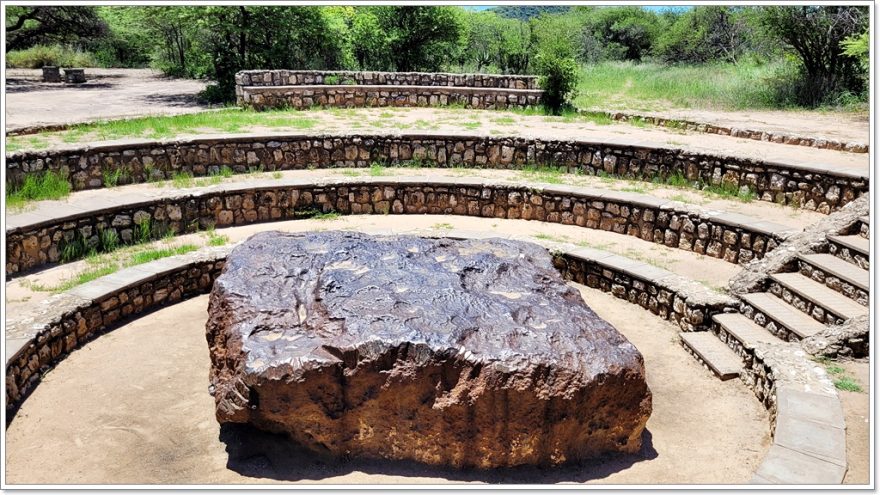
463, 353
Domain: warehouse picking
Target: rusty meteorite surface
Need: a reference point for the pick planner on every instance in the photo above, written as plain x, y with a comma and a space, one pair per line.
461, 353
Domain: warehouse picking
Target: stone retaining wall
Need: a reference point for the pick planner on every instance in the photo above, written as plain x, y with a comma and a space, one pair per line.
140, 161
37, 342
303, 97
32, 241
373, 78
809, 444
67, 321
757, 135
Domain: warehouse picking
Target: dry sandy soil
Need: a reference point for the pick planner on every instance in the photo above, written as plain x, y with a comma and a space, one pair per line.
107, 93
841, 126
133, 407
857, 414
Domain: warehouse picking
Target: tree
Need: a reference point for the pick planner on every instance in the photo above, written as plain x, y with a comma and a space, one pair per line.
370, 44
558, 73
704, 34
626, 33
815, 33
421, 38
29, 26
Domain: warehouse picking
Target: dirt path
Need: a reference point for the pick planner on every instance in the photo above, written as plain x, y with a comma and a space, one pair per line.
133, 407
107, 94
841, 126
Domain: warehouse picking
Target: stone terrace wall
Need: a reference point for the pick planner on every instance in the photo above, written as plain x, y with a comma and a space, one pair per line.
369, 78
69, 320
37, 342
32, 242
302, 97
140, 161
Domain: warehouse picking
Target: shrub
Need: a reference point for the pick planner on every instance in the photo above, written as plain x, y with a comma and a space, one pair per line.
558, 78
38, 56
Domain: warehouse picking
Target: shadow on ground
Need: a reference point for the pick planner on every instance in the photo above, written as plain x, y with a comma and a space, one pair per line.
257, 454
25, 86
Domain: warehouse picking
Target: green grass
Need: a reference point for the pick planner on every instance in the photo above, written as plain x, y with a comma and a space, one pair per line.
48, 185
544, 173
554, 238
842, 380
149, 255
377, 170
443, 226
37, 56
649, 86
154, 127
848, 384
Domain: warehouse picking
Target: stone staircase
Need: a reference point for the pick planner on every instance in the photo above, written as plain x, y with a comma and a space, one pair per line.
824, 289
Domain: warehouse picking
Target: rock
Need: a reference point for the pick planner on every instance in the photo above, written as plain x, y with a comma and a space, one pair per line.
461, 353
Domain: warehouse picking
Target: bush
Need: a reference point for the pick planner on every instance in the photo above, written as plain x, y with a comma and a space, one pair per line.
558, 78
38, 56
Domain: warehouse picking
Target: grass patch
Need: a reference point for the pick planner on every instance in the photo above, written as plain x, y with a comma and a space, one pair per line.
544, 173
182, 180
48, 185
377, 170
443, 226
149, 255
648, 85
848, 384
553, 238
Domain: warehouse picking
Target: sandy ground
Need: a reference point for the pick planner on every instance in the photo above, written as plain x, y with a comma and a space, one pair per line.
22, 296
108, 93
841, 126
857, 414
130, 408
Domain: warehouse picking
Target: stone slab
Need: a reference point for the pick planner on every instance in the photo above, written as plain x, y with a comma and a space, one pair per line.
784, 314
818, 440
723, 362
820, 294
797, 404
744, 330
840, 268
788, 467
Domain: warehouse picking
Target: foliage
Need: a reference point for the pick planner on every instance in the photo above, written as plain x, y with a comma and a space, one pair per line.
526, 12
624, 33
815, 33
48, 185
705, 34
41, 55
28, 26
559, 75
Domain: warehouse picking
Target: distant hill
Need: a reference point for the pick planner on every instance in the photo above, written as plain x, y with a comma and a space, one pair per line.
526, 12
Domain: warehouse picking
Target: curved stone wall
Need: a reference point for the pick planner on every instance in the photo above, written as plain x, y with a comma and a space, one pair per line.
809, 442
38, 341
263, 89
285, 77
38, 237
821, 189
303, 97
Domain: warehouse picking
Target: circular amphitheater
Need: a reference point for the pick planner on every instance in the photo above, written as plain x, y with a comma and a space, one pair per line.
735, 294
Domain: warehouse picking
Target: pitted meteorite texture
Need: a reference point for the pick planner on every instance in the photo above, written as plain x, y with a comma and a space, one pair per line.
452, 352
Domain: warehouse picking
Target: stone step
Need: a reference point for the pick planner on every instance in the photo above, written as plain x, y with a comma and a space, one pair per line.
828, 299
713, 353
865, 227
832, 265
783, 314
744, 330
853, 249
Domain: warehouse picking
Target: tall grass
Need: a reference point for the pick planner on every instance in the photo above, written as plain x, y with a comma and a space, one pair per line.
57, 55
48, 185
651, 86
